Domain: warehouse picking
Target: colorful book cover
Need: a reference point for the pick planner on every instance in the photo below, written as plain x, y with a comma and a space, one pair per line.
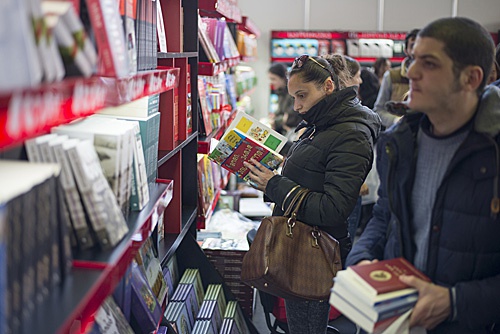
109, 319
144, 307
235, 148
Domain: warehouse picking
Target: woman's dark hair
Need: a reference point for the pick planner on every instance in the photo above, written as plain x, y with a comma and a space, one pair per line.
411, 34
352, 65
333, 66
278, 69
466, 42
378, 65
368, 90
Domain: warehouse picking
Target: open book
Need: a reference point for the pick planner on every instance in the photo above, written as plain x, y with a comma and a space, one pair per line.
244, 139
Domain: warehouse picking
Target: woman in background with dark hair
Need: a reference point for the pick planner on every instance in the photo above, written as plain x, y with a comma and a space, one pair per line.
381, 66
285, 119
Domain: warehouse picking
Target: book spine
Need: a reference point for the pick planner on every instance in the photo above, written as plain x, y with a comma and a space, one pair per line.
29, 258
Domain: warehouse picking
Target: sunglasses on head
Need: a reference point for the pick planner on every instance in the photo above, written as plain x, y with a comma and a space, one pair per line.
300, 61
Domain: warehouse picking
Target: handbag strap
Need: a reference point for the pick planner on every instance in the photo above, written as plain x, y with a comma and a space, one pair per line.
296, 202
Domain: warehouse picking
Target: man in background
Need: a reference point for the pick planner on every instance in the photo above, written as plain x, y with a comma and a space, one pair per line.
395, 83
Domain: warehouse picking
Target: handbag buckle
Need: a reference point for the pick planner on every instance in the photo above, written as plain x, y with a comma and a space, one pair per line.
290, 224
316, 234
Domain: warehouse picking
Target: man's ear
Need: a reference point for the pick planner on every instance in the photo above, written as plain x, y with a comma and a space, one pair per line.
329, 86
471, 77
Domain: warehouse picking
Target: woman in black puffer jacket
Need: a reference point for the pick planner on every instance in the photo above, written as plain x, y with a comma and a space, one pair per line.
331, 158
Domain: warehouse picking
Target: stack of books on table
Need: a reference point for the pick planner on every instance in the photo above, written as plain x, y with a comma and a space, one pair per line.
372, 296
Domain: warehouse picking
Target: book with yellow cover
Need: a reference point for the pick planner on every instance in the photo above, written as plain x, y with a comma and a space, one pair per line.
246, 138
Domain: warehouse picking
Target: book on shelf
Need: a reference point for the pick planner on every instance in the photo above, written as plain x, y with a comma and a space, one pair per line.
128, 14
247, 138
150, 265
210, 311
206, 186
185, 293
109, 319
42, 38
20, 66
110, 38
210, 53
189, 105
106, 218
113, 140
204, 327
372, 295
235, 318
177, 315
192, 277
83, 53
160, 29
204, 110
30, 201
145, 310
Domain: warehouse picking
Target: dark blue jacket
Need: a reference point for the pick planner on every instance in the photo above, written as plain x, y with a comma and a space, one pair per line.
464, 246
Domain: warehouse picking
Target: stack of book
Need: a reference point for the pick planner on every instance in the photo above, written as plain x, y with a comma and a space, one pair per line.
234, 322
372, 295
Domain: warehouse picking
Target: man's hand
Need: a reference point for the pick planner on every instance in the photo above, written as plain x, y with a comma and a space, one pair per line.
433, 304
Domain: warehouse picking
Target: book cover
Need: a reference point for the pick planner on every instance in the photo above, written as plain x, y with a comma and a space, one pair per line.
110, 38
110, 319
160, 29
127, 12
144, 307
234, 148
123, 293
177, 315
204, 110
383, 276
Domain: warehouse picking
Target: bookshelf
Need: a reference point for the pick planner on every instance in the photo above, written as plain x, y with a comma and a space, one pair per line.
30, 112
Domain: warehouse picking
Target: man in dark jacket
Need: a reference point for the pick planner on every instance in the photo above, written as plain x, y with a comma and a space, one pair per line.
439, 170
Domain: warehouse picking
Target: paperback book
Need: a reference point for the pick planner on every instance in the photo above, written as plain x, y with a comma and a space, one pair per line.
247, 138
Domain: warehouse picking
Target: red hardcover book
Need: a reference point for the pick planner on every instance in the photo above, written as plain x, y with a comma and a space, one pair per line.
383, 276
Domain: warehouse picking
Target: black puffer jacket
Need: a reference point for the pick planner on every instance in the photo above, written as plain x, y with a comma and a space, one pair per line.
332, 158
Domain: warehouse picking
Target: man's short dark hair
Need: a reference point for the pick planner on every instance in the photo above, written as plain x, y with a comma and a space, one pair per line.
466, 42
411, 34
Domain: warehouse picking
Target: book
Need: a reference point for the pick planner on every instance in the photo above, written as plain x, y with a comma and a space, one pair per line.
145, 310
107, 220
20, 66
234, 148
160, 29
177, 315
110, 319
372, 295
383, 276
127, 12
123, 293
68, 14
110, 38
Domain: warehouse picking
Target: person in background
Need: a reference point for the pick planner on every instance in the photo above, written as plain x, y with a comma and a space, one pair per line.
380, 66
284, 118
331, 158
439, 169
354, 69
368, 89
496, 82
395, 83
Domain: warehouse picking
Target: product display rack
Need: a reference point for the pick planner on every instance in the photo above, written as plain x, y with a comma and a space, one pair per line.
27, 113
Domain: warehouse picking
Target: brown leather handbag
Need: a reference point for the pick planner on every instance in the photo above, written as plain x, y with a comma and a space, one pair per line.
290, 259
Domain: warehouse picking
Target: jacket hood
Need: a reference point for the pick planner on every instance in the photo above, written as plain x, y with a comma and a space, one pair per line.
340, 107
488, 114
